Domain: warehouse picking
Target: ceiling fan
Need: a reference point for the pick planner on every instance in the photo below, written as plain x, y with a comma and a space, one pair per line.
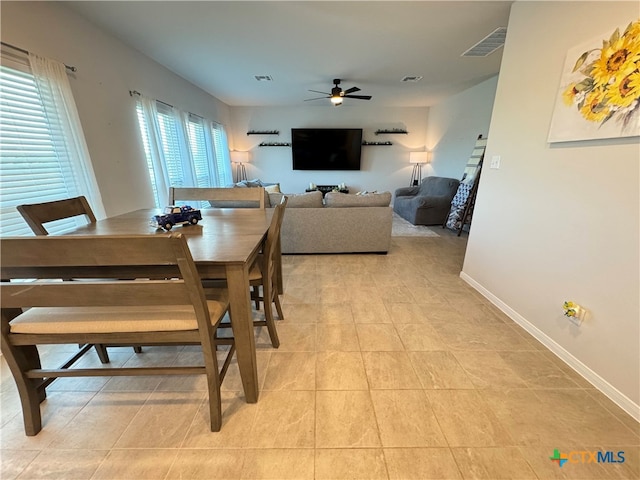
337, 94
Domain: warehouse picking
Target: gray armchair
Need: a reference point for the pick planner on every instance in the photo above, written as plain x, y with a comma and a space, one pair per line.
428, 203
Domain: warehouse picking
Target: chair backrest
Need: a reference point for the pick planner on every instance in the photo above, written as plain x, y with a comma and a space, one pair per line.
439, 186
273, 235
250, 194
37, 214
107, 257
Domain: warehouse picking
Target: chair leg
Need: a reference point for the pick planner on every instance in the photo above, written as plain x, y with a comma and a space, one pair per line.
255, 294
137, 349
271, 325
276, 300
268, 315
101, 350
213, 381
31, 391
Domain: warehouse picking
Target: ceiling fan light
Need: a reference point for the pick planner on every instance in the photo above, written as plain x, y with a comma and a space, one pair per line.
336, 100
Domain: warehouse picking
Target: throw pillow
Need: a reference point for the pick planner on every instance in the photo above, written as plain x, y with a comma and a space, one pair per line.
343, 200
273, 188
301, 200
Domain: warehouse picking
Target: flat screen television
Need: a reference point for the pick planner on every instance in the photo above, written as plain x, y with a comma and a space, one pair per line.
326, 148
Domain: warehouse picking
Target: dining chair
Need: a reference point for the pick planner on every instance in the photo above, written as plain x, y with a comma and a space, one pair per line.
264, 273
255, 195
37, 214
174, 310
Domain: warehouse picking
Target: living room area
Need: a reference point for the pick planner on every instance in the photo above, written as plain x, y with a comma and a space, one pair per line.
447, 357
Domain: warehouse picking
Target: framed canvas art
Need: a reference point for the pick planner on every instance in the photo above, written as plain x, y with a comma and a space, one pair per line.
599, 94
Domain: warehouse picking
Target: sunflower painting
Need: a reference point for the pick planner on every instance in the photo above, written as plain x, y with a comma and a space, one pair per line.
599, 93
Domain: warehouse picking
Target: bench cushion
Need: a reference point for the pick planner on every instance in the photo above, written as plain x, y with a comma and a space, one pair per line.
161, 318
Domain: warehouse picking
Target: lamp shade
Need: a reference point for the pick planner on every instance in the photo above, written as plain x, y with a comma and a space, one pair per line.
239, 157
418, 157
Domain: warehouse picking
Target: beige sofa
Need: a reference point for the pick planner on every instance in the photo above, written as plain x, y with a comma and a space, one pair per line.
342, 224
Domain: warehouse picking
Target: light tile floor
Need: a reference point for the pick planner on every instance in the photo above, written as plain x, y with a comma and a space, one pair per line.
390, 367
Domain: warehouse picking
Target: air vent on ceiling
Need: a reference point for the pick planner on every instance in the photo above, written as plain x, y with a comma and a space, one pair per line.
488, 44
264, 78
411, 78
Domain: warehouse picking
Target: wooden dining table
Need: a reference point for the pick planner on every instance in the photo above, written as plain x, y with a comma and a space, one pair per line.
224, 244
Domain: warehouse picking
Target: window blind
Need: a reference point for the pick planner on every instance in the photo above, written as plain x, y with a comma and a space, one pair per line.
32, 169
191, 150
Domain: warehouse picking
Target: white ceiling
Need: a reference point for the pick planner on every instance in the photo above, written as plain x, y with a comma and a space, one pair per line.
220, 46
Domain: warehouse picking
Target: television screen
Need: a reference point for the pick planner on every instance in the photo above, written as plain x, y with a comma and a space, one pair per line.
326, 148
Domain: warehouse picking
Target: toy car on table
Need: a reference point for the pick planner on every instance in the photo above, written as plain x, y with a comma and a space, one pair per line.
175, 215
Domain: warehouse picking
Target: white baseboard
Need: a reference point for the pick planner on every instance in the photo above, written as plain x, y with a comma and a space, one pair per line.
592, 377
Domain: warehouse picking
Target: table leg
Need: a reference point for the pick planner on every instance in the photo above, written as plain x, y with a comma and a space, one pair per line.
242, 324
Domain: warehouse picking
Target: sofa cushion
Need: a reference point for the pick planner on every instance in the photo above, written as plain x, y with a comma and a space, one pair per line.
298, 200
343, 200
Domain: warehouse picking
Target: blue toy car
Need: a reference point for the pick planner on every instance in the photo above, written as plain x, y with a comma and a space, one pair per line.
175, 215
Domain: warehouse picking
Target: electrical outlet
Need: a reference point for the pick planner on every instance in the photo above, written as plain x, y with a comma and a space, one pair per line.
495, 161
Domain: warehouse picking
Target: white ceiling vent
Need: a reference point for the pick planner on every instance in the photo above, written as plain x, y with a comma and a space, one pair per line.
488, 44
412, 78
264, 78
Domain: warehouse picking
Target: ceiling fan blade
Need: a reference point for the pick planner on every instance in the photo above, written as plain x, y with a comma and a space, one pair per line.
323, 93
359, 97
351, 90
317, 98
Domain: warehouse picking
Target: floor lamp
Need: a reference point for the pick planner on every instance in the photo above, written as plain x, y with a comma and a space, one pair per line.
418, 159
239, 159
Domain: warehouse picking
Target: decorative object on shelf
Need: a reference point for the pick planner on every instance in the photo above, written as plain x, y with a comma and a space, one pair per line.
239, 159
274, 144
393, 131
598, 95
574, 312
386, 144
263, 132
418, 159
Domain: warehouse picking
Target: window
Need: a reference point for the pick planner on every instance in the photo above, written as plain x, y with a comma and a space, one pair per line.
182, 149
39, 161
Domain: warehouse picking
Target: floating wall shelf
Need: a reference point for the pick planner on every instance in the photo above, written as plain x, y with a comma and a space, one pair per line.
395, 130
274, 144
263, 132
379, 144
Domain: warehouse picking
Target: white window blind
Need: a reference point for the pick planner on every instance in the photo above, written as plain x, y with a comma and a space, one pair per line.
223, 160
182, 149
32, 169
201, 151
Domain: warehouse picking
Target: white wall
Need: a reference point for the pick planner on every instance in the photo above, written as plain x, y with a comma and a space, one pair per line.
107, 70
382, 168
560, 222
454, 126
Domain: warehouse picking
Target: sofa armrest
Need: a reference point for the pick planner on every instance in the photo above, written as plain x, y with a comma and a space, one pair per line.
407, 191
